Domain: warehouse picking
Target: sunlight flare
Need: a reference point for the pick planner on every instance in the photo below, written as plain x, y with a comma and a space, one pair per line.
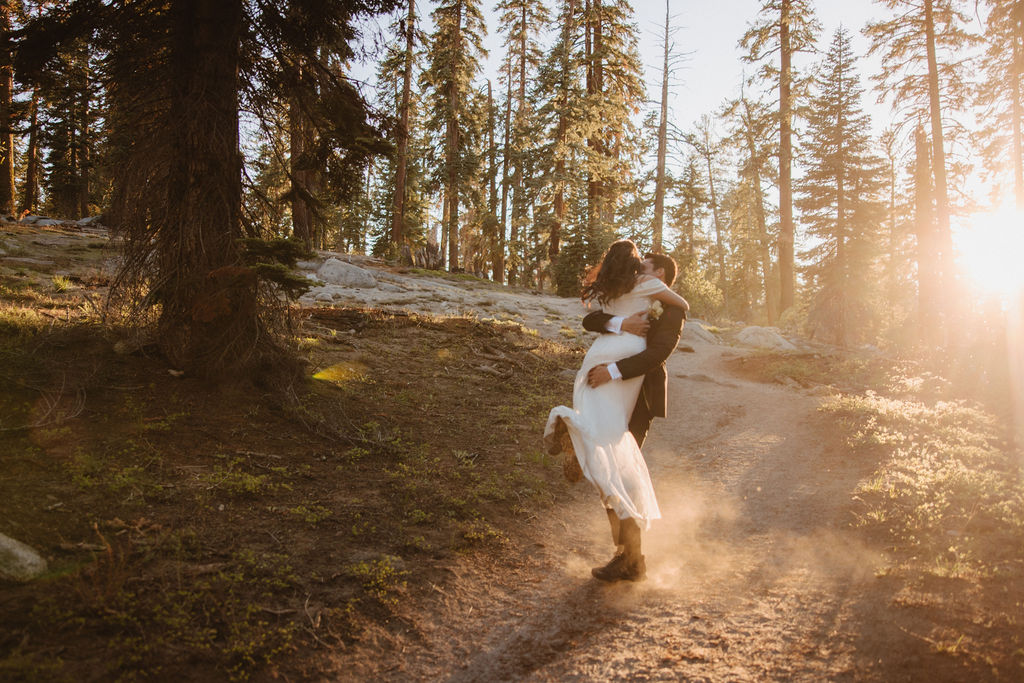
991, 251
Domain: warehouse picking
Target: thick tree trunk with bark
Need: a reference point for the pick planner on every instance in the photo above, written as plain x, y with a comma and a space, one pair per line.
7, 191
208, 318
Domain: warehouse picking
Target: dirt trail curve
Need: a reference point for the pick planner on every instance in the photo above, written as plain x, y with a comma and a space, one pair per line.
753, 573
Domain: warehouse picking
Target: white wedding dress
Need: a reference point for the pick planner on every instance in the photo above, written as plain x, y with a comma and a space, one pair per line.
598, 422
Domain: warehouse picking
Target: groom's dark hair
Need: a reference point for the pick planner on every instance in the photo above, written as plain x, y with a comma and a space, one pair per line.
665, 263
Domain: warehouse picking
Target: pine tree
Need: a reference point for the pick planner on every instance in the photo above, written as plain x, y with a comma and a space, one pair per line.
615, 95
707, 146
522, 22
179, 73
264, 195
900, 260
69, 128
560, 94
472, 240
742, 205
925, 60
689, 213
752, 133
1001, 92
839, 200
660, 179
7, 188
787, 27
407, 30
453, 57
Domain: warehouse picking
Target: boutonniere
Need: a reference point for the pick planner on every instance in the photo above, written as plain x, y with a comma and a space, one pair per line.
655, 310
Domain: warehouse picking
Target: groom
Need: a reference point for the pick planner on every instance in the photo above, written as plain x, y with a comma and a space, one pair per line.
663, 335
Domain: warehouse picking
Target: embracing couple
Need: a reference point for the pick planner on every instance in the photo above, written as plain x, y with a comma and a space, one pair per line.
620, 388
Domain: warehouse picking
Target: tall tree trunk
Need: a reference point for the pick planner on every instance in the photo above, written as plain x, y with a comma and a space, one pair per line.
1016, 73
771, 311
719, 241
843, 290
928, 264
842, 230
302, 220
398, 202
558, 224
787, 277
7, 191
500, 266
452, 154
659, 184
944, 241
69, 194
595, 86
893, 281
84, 147
558, 203
445, 211
368, 187
492, 196
518, 227
209, 316
31, 189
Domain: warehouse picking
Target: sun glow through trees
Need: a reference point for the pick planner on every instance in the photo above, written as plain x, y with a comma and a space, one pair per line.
990, 252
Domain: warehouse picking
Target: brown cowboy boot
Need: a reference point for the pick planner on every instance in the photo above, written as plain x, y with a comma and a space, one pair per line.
553, 441
559, 441
628, 565
570, 463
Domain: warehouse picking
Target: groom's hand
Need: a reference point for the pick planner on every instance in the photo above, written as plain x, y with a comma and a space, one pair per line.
598, 375
637, 324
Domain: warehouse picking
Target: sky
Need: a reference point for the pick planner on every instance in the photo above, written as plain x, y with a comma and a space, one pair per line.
707, 36
713, 69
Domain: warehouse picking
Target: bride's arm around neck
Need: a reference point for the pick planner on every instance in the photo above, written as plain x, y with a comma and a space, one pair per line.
667, 296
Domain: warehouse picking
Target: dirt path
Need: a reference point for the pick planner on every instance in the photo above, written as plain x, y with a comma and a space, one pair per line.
753, 573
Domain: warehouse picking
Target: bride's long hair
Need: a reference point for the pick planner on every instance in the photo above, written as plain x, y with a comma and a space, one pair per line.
615, 275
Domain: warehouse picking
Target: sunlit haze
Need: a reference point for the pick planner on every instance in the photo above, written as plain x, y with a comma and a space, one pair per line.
990, 250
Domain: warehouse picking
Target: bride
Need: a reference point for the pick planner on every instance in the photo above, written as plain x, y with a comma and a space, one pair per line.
594, 432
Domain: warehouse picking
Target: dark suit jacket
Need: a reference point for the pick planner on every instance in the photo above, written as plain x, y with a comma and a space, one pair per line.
662, 339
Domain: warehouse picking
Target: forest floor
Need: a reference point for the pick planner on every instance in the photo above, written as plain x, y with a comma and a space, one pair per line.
393, 517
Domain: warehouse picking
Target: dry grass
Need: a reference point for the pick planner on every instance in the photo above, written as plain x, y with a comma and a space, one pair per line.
194, 530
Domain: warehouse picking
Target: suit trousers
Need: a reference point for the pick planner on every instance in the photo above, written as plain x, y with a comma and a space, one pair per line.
640, 420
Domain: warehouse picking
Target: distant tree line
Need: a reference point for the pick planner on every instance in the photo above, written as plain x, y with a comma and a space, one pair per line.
192, 124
